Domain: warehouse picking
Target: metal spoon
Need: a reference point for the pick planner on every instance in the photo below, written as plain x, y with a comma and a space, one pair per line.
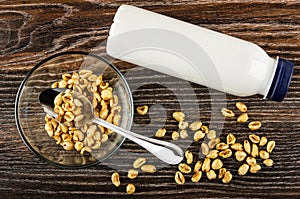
165, 151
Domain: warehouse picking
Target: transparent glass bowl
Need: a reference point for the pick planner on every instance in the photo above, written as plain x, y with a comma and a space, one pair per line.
30, 114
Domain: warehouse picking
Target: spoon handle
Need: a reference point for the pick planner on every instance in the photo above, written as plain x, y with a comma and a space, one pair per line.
165, 151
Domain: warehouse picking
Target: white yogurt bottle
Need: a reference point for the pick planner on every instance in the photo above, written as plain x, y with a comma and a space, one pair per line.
197, 54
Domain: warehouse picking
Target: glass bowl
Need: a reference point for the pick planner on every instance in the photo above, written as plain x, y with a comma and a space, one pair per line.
30, 116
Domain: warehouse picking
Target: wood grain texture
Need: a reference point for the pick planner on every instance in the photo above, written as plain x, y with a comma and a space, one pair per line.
31, 30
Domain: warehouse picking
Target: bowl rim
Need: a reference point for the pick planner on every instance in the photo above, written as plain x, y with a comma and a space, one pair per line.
20, 90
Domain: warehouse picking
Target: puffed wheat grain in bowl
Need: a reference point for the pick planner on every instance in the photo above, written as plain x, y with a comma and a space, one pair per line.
70, 112
59, 143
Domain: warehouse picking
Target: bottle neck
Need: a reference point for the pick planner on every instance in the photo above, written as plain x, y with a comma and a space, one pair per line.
265, 87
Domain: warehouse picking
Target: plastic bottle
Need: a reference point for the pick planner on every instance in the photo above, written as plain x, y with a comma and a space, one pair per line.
243, 68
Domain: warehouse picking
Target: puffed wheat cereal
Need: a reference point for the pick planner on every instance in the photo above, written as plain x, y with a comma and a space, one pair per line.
130, 189
195, 125
241, 107
243, 169
142, 110
189, 156
139, 162
179, 178
179, 116
270, 146
197, 176
254, 125
115, 179
227, 113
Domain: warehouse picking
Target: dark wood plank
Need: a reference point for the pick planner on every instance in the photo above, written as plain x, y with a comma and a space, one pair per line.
32, 30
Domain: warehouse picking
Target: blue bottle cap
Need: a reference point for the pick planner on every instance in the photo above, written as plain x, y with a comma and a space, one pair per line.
281, 80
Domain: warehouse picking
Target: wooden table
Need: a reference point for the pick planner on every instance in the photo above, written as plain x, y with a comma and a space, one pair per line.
32, 30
